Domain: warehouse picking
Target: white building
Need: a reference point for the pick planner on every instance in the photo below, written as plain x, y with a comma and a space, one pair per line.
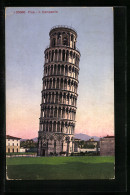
12, 144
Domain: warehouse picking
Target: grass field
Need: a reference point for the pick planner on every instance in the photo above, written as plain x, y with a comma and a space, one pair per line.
55, 168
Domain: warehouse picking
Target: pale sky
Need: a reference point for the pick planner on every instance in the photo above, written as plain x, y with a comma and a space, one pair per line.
27, 36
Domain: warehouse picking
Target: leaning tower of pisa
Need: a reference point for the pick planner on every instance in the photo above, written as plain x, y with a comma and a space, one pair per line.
59, 93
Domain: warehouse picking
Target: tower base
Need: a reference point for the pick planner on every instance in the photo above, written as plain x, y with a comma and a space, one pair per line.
55, 144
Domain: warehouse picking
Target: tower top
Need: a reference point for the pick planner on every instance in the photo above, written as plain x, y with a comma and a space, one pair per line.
63, 28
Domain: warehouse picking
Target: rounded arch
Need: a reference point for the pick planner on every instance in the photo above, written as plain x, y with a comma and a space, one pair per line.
53, 42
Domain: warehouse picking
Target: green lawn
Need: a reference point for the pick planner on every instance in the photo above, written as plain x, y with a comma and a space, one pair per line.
54, 168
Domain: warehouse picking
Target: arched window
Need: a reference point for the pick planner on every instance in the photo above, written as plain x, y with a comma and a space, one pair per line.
50, 126
47, 126
55, 112
65, 41
54, 83
58, 126
65, 84
59, 38
56, 97
71, 54
71, 37
52, 55
51, 69
59, 35
53, 42
55, 69
74, 45
59, 112
53, 97
63, 57
60, 97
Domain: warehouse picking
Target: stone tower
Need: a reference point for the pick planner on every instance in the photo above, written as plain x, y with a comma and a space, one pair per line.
59, 93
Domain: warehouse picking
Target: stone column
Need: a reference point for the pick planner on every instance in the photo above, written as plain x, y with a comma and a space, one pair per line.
57, 55
50, 56
52, 126
65, 56
45, 126
71, 115
46, 98
56, 126
53, 112
51, 98
55, 83
59, 83
63, 84
61, 113
53, 70
52, 84
62, 99
60, 127
61, 55
54, 97
60, 69
49, 112
48, 127
65, 99
67, 115
56, 70
57, 112
54, 56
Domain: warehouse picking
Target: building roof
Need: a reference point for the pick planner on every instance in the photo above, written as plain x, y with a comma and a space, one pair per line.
63, 27
109, 136
11, 137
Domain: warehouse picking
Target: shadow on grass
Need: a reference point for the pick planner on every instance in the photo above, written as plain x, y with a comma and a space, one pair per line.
67, 171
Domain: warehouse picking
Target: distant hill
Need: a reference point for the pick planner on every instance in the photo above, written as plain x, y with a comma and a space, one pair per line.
34, 139
86, 137
78, 135
23, 140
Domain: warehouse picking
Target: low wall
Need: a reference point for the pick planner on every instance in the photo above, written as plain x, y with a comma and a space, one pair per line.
87, 149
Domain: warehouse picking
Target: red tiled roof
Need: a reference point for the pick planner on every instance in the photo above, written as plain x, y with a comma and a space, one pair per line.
11, 137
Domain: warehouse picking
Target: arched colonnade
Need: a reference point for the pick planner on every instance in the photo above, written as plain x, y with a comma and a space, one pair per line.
61, 69
57, 126
62, 55
61, 83
59, 112
59, 98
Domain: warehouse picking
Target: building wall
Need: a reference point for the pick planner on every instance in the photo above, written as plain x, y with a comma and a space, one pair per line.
87, 149
107, 147
12, 145
59, 143
22, 149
